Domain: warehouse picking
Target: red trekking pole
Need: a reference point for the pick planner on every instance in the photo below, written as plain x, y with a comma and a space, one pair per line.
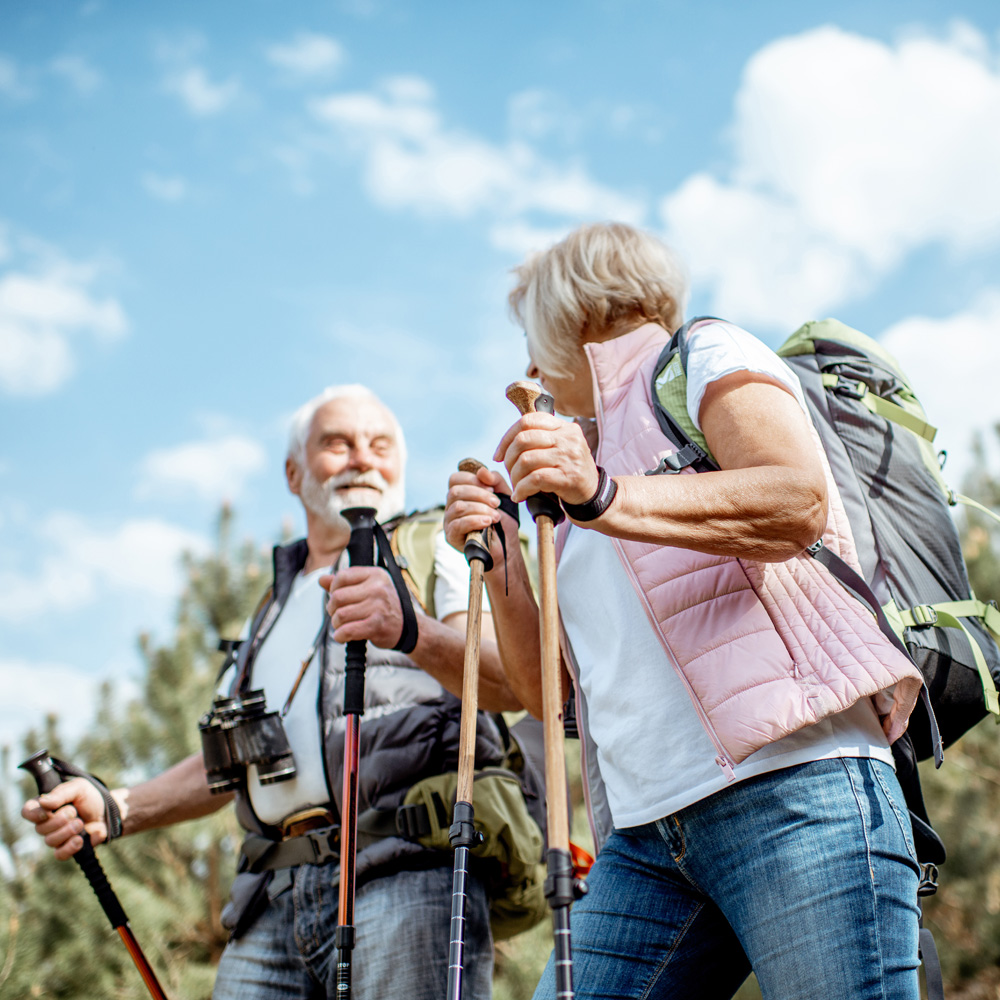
360, 549
41, 768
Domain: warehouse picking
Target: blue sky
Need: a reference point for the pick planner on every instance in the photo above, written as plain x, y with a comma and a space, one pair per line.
208, 212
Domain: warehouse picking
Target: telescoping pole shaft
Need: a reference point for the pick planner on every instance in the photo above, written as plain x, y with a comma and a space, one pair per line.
559, 885
463, 835
41, 768
360, 550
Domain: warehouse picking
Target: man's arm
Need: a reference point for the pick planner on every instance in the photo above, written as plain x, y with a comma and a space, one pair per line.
178, 794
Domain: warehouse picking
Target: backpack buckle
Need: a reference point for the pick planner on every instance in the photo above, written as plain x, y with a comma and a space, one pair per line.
412, 822
853, 388
923, 616
677, 461
928, 884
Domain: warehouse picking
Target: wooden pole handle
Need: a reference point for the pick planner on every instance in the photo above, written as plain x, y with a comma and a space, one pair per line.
528, 397
474, 465
470, 675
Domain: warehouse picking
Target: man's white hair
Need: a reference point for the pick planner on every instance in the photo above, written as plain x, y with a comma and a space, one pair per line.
298, 431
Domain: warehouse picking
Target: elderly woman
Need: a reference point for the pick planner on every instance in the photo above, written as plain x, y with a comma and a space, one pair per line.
736, 705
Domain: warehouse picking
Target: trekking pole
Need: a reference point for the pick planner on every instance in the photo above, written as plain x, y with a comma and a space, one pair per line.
462, 834
360, 549
39, 765
560, 886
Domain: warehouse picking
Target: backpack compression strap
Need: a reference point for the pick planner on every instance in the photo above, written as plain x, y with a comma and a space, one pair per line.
947, 614
856, 389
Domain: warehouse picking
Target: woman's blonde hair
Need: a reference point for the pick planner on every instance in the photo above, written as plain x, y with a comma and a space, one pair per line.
601, 281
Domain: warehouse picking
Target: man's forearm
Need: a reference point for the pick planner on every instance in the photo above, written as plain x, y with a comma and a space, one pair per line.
440, 651
179, 793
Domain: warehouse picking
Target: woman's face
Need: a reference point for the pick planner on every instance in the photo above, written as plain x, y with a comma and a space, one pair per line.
573, 394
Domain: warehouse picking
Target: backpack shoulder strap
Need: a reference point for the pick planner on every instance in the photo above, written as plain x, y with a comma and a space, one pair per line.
668, 392
412, 542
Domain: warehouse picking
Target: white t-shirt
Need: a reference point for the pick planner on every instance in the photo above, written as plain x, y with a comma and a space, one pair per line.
278, 662
654, 754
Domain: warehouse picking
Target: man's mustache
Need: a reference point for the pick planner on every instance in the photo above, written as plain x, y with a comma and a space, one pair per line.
350, 480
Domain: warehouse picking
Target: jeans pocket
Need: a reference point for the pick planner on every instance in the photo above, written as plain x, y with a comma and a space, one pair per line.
902, 817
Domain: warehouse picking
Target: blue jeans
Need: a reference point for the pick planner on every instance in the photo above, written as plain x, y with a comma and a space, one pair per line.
806, 875
403, 931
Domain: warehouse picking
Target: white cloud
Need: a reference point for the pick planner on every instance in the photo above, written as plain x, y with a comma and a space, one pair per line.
198, 93
165, 188
77, 563
78, 72
307, 54
213, 470
34, 690
951, 363
47, 301
412, 159
849, 153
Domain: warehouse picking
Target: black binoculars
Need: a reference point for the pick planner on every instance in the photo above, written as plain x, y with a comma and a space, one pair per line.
241, 731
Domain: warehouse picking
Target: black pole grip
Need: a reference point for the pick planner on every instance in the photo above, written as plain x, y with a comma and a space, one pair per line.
39, 766
361, 552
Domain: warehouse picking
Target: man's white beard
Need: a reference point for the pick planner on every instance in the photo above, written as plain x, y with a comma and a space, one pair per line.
327, 499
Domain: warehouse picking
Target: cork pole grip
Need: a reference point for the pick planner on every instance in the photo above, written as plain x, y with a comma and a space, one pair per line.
525, 396
470, 675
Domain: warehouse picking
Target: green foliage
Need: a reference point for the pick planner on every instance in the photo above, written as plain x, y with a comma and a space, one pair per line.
54, 939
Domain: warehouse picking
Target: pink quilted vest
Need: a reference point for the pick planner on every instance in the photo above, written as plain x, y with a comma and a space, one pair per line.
763, 648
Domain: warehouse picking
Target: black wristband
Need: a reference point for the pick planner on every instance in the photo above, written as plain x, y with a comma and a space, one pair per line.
598, 503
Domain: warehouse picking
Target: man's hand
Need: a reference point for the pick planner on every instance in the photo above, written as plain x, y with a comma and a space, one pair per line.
61, 816
364, 605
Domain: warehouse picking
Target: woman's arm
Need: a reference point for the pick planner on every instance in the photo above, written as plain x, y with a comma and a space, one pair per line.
768, 502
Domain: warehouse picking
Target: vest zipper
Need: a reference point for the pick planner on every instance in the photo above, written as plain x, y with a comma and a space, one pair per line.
722, 758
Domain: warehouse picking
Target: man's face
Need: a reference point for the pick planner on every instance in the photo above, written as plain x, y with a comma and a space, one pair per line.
352, 460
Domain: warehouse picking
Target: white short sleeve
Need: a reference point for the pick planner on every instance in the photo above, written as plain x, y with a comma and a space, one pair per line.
719, 349
451, 584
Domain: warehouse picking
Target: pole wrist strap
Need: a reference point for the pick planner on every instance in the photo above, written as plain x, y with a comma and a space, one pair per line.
112, 816
598, 503
409, 635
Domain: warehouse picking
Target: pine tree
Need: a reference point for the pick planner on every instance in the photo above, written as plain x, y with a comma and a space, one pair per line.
54, 938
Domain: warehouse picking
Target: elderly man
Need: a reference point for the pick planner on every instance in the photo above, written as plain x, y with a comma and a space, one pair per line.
345, 450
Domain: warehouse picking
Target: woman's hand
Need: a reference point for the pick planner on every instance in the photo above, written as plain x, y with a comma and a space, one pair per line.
472, 505
546, 455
